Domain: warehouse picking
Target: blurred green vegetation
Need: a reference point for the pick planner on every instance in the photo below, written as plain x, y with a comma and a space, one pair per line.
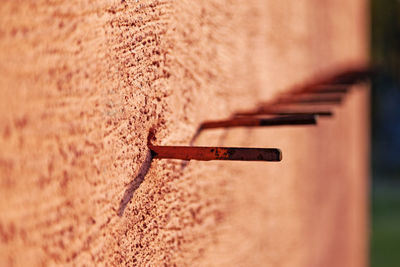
385, 210
385, 245
385, 35
385, 55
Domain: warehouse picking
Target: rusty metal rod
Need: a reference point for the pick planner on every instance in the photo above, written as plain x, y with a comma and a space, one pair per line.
307, 119
327, 89
215, 153
285, 112
315, 99
353, 76
322, 89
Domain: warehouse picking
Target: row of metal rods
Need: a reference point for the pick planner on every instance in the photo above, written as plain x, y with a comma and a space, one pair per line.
280, 112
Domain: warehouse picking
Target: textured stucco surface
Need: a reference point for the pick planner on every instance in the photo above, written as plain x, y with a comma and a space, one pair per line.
81, 84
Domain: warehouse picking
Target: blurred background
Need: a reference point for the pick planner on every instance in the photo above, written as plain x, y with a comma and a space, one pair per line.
385, 52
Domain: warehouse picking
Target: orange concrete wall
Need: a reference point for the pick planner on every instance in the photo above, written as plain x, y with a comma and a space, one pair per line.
81, 84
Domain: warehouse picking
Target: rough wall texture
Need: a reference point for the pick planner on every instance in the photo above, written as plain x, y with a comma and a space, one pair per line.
81, 84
